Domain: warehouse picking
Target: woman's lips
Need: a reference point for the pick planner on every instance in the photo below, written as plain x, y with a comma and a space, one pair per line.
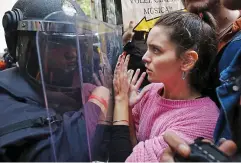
148, 70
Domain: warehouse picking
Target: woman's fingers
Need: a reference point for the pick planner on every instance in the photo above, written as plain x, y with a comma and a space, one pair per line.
118, 67
140, 80
130, 75
127, 59
122, 76
122, 64
135, 77
118, 62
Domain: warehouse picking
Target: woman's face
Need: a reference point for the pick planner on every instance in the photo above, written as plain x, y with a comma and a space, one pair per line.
200, 5
161, 60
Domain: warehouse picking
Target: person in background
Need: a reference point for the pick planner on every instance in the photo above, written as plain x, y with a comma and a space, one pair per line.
232, 4
6, 61
135, 45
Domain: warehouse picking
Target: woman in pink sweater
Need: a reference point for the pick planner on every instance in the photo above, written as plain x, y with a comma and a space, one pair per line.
181, 47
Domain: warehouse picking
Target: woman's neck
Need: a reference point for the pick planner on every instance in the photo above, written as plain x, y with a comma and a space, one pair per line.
181, 91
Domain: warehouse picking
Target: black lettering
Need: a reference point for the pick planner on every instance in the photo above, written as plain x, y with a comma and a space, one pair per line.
146, 11
162, 9
156, 10
150, 11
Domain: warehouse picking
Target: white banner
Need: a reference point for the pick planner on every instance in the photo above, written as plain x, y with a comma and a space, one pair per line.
4, 7
144, 13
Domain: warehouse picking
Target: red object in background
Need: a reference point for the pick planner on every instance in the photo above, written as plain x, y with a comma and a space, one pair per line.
3, 65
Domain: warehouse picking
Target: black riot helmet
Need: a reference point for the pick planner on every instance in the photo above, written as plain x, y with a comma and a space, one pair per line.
27, 21
21, 24
26, 10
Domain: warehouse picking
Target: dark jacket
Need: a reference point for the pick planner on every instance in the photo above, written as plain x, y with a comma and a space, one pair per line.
229, 91
20, 103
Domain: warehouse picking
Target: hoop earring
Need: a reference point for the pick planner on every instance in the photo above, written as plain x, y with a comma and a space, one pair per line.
184, 75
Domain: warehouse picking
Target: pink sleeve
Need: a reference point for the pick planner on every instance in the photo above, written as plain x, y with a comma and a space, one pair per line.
148, 151
151, 149
188, 129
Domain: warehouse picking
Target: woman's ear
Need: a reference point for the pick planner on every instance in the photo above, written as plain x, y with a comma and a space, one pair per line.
189, 60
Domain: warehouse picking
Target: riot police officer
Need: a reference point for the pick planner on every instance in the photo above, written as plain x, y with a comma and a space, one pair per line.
43, 99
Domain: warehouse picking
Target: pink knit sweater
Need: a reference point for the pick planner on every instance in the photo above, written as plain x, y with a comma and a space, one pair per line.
154, 115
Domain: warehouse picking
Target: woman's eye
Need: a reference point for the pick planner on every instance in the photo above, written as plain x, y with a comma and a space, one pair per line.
156, 50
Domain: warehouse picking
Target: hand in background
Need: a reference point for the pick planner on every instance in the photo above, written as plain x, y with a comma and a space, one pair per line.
127, 36
176, 144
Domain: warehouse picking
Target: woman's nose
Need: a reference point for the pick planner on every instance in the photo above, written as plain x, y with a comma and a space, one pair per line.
146, 58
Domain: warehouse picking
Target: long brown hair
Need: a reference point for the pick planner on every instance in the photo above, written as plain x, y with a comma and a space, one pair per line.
193, 32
